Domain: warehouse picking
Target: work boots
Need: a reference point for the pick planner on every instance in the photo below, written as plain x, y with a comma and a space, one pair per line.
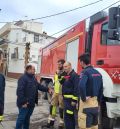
60, 127
49, 125
61, 124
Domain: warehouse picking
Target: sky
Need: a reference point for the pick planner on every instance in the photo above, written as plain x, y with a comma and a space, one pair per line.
12, 10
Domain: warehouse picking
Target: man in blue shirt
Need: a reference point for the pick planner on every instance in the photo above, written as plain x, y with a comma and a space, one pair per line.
91, 92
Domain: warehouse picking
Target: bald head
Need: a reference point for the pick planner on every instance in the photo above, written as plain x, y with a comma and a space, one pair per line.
67, 63
67, 67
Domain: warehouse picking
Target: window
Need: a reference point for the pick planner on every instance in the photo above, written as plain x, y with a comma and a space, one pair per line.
36, 38
30, 59
33, 56
17, 35
72, 53
16, 52
24, 39
5, 54
41, 40
104, 37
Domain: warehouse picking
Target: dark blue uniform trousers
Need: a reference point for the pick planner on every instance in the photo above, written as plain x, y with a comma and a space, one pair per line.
69, 114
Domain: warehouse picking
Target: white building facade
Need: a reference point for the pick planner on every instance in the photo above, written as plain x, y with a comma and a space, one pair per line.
17, 35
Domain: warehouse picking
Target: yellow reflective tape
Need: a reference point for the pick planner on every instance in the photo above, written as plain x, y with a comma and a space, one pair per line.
68, 96
75, 98
69, 112
60, 79
54, 109
71, 96
1, 118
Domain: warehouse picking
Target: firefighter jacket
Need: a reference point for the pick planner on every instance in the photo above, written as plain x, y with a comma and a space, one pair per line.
2, 90
70, 86
57, 78
90, 84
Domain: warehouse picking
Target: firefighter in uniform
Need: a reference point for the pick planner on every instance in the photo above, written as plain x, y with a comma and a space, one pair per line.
57, 98
2, 89
70, 93
91, 92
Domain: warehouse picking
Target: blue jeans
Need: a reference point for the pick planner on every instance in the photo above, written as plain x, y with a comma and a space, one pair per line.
23, 119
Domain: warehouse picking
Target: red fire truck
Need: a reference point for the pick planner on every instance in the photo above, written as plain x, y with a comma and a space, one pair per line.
101, 41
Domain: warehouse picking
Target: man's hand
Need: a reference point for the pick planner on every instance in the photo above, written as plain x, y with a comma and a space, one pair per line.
38, 78
25, 105
1, 118
50, 90
73, 104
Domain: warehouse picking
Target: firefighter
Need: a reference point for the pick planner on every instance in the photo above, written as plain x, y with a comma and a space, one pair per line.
2, 90
91, 92
57, 98
70, 93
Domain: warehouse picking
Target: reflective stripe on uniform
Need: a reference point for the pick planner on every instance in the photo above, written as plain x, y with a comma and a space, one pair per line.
75, 98
68, 96
69, 112
1, 118
54, 108
61, 78
57, 84
71, 97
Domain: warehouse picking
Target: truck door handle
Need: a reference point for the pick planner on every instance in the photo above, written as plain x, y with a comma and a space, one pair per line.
100, 62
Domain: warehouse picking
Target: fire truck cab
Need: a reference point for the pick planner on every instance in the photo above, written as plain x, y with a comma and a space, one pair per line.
102, 42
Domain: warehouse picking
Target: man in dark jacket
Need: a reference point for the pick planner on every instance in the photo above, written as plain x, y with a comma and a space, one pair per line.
2, 90
27, 96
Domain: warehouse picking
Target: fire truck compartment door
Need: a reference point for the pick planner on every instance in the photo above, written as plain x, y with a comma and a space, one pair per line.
72, 53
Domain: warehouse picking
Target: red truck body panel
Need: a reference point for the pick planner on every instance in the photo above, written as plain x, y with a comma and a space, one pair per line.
57, 50
51, 54
108, 53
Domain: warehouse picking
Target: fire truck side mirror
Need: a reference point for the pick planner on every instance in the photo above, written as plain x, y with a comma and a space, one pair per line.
114, 23
113, 12
112, 34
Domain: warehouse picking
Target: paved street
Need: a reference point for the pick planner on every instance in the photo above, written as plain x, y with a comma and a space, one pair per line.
40, 112
38, 118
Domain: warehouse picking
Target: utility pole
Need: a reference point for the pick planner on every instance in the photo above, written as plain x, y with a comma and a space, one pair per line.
27, 53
